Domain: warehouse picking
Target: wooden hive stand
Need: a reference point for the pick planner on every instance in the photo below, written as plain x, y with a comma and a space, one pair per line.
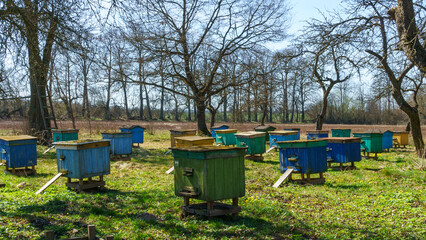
254, 157
21, 171
307, 179
340, 166
211, 208
120, 157
82, 185
91, 235
366, 155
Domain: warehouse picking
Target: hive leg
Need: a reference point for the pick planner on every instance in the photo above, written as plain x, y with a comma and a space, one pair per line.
321, 175
69, 180
235, 204
341, 166
308, 177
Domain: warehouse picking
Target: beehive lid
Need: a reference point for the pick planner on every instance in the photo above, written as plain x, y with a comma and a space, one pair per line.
226, 131
193, 138
250, 134
17, 138
341, 129
302, 143
343, 139
402, 132
207, 148
187, 131
318, 131
221, 126
82, 144
372, 131
69, 130
131, 126
265, 127
116, 133
283, 133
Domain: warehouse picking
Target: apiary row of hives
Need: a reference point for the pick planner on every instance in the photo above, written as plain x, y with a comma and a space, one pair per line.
206, 168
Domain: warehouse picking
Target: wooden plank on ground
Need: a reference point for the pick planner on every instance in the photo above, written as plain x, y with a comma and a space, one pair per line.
49, 183
49, 149
272, 148
283, 177
170, 170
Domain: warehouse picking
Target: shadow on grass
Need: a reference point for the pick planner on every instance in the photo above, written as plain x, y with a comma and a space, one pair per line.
52, 215
346, 186
153, 156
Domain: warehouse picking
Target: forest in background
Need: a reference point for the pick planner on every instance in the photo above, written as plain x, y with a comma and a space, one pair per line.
208, 61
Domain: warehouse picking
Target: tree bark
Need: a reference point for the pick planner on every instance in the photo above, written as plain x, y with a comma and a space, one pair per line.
409, 34
201, 116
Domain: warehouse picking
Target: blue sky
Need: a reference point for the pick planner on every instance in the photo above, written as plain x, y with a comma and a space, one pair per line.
301, 11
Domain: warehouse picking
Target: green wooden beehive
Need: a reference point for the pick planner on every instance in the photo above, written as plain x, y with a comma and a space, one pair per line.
340, 132
371, 141
209, 173
226, 136
255, 141
60, 135
265, 129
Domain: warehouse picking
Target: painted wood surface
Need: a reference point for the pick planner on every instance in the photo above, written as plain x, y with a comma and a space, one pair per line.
18, 151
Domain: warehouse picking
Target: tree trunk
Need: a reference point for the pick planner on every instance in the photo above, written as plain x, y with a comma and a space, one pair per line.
189, 109
409, 34
38, 115
212, 117
225, 106
201, 117
320, 118
141, 79
148, 106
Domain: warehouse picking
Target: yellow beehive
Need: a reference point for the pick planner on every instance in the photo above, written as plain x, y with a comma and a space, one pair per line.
190, 141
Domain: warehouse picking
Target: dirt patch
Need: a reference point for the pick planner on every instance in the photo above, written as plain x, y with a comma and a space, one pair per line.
125, 165
17, 126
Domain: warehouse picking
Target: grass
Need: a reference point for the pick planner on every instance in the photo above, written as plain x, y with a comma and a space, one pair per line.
382, 199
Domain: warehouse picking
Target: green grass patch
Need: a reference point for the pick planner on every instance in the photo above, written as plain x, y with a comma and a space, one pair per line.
382, 199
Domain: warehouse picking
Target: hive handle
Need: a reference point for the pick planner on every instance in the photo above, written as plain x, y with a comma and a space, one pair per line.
188, 192
188, 171
3, 151
62, 158
293, 159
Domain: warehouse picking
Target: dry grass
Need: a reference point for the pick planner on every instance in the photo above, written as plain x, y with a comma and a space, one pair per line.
19, 126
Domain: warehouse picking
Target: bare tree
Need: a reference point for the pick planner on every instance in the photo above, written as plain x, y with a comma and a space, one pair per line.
222, 27
39, 24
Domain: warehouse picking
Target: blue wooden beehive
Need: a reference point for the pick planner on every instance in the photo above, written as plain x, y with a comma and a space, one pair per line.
344, 149
83, 158
18, 151
311, 135
306, 157
387, 140
121, 142
279, 136
294, 129
136, 130
217, 128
